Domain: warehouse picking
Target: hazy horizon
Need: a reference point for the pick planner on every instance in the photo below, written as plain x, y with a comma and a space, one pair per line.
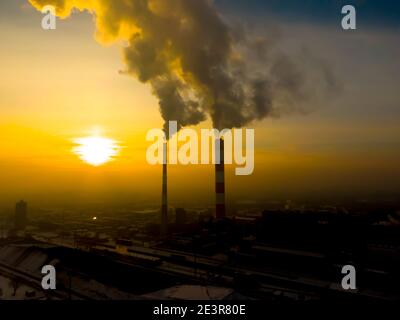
57, 86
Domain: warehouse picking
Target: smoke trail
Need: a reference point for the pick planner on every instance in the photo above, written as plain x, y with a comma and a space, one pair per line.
196, 64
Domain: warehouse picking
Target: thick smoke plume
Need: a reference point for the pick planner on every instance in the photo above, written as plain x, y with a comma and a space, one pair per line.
197, 64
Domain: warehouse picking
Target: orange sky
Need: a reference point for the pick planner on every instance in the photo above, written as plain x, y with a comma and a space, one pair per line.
56, 86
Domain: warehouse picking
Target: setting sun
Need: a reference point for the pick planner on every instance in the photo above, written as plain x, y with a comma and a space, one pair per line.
96, 150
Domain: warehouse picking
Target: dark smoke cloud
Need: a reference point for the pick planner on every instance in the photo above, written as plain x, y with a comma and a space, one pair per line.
198, 65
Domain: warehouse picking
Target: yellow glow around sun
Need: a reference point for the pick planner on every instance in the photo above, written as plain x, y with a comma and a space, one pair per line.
96, 150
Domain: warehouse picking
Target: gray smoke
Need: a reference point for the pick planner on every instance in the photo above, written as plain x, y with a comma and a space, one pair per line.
199, 66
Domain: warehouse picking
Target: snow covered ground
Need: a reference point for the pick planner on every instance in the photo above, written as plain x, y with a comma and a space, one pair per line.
10, 290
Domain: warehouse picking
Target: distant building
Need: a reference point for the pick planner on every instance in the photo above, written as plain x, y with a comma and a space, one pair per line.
20, 218
180, 216
207, 215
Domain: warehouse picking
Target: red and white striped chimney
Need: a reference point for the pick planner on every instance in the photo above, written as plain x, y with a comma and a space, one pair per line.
164, 205
220, 180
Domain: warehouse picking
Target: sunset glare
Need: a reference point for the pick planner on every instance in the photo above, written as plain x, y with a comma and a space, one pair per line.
95, 150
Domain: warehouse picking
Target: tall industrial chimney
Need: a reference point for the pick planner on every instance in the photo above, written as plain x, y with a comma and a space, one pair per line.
164, 205
220, 179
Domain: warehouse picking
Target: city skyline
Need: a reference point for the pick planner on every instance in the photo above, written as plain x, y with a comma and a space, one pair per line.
194, 158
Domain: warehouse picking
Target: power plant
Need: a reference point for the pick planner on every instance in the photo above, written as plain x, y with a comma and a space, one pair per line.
219, 179
164, 204
220, 207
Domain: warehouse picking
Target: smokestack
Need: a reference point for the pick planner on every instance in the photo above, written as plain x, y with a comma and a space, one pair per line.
164, 205
220, 179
